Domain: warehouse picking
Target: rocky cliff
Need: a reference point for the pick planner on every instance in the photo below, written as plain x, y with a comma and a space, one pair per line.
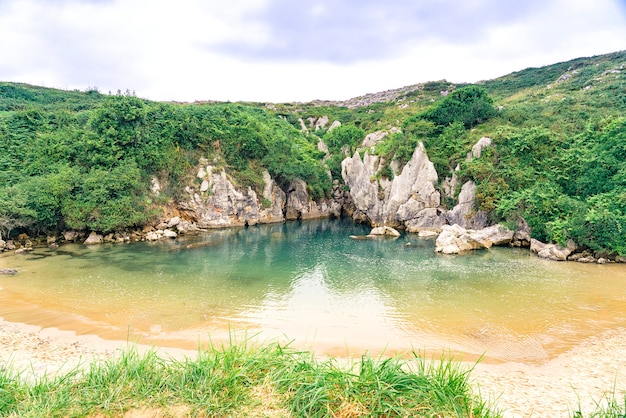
218, 203
411, 199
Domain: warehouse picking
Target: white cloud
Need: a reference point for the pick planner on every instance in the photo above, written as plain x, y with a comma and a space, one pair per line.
280, 50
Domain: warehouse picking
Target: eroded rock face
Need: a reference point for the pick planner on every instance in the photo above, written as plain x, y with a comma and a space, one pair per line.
395, 203
464, 213
358, 175
219, 203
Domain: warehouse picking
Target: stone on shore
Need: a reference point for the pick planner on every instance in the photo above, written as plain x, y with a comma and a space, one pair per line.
93, 239
455, 239
8, 272
553, 252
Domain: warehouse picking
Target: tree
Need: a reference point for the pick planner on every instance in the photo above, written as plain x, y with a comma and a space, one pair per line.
469, 105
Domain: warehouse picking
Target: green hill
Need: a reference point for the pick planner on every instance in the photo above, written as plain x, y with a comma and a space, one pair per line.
84, 160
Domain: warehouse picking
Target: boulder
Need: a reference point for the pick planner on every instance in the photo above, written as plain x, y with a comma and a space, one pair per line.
8, 272
152, 236
3, 244
94, 238
496, 234
552, 251
23, 250
71, 236
384, 231
455, 239
168, 233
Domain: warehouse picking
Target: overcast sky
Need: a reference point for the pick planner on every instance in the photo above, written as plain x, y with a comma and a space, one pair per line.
292, 50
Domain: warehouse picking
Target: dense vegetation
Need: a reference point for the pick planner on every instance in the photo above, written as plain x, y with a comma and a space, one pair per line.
240, 381
88, 164
84, 160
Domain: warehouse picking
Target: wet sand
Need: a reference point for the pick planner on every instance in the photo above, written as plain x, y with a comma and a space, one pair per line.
575, 379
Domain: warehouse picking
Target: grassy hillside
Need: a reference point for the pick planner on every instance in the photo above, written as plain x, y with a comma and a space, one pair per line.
559, 153
84, 160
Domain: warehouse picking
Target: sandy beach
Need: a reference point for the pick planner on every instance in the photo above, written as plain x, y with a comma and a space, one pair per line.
576, 379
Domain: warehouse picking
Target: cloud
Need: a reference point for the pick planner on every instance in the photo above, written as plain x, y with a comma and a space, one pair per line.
345, 31
280, 50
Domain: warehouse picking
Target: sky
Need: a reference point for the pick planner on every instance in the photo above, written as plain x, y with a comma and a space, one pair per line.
292, 50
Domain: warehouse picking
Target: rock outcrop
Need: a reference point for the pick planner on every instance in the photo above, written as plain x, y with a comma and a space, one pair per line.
455, 239
219, 203
404, 199
553, 252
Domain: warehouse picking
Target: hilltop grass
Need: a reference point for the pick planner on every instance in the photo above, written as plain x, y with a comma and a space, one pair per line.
238, 380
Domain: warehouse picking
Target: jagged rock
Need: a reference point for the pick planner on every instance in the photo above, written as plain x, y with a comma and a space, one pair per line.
173, 222
479, 146
3, 244
8, 272
496, 234
620, 259
10, 245
364, 193
416, 181
300, 205
93, 238
602, 261
373, 138
588, 259
108, 237
552, 251
455, 239
384, 230
336, 124
451, 183
464, 213
426, 220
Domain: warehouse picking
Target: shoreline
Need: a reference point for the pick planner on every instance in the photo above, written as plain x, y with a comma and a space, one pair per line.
578, 378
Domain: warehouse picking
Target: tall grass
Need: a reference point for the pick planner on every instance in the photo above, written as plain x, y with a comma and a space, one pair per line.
238, 380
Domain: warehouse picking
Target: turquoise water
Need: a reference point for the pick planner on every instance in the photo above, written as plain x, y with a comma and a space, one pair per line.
310, 283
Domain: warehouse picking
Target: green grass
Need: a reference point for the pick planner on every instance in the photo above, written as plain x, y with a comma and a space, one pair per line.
239, 380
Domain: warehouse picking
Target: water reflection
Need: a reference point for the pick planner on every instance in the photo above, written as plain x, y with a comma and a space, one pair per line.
309, 282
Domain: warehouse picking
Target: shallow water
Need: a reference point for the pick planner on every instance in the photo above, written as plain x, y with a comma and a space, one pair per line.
310, 283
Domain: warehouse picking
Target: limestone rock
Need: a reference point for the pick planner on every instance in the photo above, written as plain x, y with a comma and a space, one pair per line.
3, 244
464, 213
384, 230
374, 138
496, 234
173, 222
426, 220
552, 251
94, 238
71, 236
23, 250
168, 233
455, 239
364, 192
301, 206
336, 124
152, 236
479, 146
8, 272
